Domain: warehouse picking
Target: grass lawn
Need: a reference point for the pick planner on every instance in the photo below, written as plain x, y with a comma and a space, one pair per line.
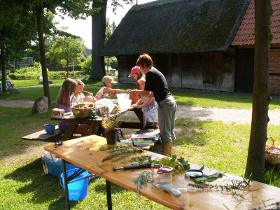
23, 184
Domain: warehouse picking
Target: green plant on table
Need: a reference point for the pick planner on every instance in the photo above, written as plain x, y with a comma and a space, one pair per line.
177, 164
110, 123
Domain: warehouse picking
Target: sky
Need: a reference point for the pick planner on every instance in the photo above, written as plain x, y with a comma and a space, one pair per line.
82, 28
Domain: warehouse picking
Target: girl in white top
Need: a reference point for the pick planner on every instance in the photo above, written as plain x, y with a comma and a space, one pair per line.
79, 97
108, 82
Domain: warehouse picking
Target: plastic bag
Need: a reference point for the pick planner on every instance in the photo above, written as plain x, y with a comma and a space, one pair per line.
104, 102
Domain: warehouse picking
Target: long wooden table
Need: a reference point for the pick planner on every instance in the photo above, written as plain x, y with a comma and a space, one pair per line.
85, 153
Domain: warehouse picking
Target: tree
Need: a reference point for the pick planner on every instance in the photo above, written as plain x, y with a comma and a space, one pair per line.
98, 37
16, 34
256, 154
66, 50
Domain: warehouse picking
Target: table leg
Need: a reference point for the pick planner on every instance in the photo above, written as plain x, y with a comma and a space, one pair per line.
65, 184
109, 199
68, 134
100, 131
139, 114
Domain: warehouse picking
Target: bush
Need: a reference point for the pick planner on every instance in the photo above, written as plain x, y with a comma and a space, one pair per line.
86, 65
31, 73
26, 73
63, 74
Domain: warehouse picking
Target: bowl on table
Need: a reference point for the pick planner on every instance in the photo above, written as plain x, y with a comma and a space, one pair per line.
123, 96
124, 104
50, 128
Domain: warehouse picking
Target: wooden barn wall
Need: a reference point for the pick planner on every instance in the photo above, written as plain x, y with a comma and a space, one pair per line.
208, 71
204, 71
125, 64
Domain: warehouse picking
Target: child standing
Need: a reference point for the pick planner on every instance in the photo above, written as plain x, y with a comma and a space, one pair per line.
108, 83
63, 100
149, 105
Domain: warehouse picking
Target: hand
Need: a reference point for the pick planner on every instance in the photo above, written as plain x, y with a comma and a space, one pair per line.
134, 105
133, 92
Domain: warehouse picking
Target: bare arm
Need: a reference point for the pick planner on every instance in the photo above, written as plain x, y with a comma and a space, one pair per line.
145, 93
106, 90
146, 103
136, 105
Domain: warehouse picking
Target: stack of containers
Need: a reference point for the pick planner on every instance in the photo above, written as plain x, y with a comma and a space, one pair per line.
53, 165
124, 100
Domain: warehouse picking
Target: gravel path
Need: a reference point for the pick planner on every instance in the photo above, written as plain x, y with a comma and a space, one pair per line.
239, 116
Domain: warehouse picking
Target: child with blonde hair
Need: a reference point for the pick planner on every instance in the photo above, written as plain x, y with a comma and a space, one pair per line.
108, 83
78, 97
63, 100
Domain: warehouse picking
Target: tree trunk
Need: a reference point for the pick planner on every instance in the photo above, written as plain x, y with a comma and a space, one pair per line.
67, 60
43, 57
67, 67
98, 40
3, 69
256, 154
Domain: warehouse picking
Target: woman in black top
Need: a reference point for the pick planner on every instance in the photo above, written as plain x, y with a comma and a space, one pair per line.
156, 86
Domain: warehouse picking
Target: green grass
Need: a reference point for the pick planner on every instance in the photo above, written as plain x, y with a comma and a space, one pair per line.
217, 145
183, 97
24, 83
221, 100
23, 184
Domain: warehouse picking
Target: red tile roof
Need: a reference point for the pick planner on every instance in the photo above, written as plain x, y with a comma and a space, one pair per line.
246, 34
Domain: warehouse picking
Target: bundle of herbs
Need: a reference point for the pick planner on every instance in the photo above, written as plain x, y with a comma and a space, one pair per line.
120, 152
143, 178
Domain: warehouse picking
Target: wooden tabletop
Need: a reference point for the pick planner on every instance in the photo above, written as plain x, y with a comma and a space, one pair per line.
84, 152
69, 116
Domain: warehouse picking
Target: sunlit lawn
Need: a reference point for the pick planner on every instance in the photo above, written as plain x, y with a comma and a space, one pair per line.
23, 184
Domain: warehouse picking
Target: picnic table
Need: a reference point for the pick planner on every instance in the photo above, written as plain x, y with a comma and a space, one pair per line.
85, 153
58, 135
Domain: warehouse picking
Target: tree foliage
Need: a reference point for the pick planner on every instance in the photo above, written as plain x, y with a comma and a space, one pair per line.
66, 50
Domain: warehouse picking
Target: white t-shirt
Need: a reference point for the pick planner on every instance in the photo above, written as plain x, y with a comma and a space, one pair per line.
100, 94
77, 100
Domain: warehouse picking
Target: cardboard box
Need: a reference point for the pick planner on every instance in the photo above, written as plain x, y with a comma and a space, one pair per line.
58, 112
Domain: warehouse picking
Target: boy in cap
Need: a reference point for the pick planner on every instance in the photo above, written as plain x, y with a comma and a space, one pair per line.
108, 83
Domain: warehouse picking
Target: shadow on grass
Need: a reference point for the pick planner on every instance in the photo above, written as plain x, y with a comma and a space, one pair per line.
47, 188
189, 131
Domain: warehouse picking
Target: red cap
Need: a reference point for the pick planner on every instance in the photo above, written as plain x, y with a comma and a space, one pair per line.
134, 70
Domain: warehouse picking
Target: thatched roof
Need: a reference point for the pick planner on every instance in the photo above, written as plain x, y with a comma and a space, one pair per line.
177, 26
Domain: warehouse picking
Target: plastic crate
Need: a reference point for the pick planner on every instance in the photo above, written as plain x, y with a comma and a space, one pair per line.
55, 168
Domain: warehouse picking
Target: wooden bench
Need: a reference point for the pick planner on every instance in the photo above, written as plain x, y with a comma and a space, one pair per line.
44, 136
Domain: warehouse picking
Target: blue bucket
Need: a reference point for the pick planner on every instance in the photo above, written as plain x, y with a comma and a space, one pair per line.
77, 188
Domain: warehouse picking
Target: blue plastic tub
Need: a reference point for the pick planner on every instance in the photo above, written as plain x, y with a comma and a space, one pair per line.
50, 128
55, 168
77, 188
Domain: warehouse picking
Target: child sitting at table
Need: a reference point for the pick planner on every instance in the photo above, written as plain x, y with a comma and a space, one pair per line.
108, 83
78, 97
63, 100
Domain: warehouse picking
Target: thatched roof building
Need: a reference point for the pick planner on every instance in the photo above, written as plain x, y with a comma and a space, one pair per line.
177, 26
196, 44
